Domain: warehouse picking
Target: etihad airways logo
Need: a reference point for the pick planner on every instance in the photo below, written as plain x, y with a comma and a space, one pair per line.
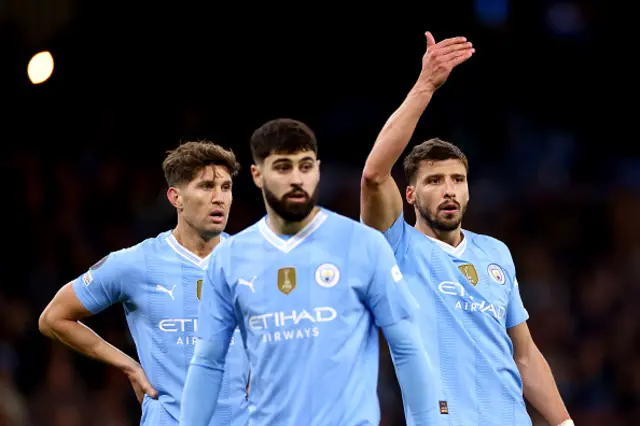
185, 329
293, 325
467, 302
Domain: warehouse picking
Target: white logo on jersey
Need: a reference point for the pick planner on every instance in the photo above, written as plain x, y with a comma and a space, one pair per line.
468, 303
87, 279
496, 273
166, 290
186, 327
327, 275
248, 283
395, 273
281, 326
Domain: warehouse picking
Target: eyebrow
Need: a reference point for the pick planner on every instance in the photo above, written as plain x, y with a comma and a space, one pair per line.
281, 160
289, 160
222, 181
430, 175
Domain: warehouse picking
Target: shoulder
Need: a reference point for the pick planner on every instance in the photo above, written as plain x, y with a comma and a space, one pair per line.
488, 242
128, 262
493, 247
134, 255
366, 244
154, 246
248, 234
409, 232
230, 243
360, 233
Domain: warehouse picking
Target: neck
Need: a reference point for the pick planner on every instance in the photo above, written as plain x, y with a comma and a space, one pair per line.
193, 241
453, 238
283, 227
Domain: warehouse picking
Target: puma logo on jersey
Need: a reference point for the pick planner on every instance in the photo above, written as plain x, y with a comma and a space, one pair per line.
247, 283
166, 290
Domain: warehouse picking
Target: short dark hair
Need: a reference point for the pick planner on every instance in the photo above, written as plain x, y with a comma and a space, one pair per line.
282, 136
182, 164
432, 150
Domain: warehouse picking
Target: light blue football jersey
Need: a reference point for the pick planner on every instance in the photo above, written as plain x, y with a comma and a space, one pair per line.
469, 297
158, 281
307, 308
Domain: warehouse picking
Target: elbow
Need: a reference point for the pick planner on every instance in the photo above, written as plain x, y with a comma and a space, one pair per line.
45, 324
372, 177
522, 362
527, 357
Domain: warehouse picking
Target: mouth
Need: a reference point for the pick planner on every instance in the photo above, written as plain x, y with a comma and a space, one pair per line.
297, 197
450, 208
217, 216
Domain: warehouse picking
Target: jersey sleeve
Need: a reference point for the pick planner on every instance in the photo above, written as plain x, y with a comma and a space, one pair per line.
216, 318
387, 296
105, 283
516, 312
395, 235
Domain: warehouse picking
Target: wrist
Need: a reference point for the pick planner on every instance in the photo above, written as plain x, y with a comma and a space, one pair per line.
423, 89
129, 366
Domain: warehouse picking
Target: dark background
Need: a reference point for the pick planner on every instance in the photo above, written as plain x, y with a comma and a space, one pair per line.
543, 110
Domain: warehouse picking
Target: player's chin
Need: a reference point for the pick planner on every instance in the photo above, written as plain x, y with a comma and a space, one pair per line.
449, 222
296, 212
216, 227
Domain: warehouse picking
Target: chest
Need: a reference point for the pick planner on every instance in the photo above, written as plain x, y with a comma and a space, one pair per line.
474, 286
168, 295
480, 286
482, 275
308, 286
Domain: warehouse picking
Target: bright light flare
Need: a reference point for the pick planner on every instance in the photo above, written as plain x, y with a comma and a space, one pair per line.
40, 67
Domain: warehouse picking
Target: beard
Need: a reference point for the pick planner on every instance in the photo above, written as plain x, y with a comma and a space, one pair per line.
438, 223
289, 210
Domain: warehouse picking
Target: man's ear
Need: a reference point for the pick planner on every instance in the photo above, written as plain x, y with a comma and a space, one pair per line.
256, 173
174, 197
410, 194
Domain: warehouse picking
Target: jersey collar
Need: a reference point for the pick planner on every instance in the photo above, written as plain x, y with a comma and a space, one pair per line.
293, 242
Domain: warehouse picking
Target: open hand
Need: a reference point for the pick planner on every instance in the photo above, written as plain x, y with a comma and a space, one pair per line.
440, 58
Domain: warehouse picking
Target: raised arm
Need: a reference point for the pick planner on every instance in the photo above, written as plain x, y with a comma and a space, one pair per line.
380, 199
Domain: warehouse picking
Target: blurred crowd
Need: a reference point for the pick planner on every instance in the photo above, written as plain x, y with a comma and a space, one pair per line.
551, 173
576, 248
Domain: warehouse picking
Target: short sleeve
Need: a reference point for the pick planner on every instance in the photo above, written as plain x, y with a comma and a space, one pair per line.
104, 284
395, 235
387, 296
216, 319
516, 312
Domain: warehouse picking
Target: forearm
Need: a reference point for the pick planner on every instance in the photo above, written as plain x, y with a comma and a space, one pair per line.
396, 133
82, 339
540, 388
200, 381
203, 378
414, 372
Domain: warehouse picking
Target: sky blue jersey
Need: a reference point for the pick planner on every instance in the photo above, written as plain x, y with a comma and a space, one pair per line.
307, 307
469, 297
159, 283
